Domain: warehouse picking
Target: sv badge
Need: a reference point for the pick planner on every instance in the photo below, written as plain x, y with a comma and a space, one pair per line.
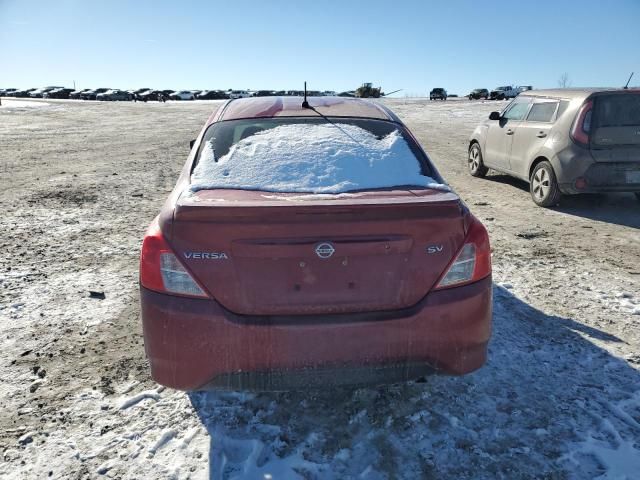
431, 249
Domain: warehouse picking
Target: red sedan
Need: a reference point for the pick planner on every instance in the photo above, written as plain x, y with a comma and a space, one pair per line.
307, 245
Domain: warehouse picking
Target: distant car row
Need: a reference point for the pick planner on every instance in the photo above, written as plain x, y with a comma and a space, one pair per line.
500, 93
147, 94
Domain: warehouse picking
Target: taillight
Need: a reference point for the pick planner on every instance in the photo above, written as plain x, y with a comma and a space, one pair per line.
160, 269
582, 125
473, 261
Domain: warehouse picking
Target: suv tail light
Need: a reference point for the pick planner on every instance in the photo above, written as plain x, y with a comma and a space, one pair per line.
161, 270
582, 125
473, 260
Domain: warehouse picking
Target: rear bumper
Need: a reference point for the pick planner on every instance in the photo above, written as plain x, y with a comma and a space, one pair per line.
194, 344
578, 172
604, 177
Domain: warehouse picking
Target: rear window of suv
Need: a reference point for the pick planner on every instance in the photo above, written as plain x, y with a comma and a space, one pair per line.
616, 120
619, 110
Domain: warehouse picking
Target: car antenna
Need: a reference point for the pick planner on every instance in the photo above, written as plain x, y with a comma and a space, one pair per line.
305, 104
627, 85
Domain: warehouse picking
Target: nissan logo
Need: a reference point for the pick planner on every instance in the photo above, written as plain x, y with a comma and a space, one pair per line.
325, 250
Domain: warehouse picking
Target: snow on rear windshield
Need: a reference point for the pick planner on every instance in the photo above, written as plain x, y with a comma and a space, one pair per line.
311, 158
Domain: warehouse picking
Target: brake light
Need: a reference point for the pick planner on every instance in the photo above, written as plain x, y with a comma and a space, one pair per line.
582, 125
473, 261
160, 269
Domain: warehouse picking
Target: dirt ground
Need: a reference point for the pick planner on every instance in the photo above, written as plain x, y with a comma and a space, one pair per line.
79, 183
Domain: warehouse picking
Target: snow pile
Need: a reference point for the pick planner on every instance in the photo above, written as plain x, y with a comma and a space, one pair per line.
9, 105
313, 159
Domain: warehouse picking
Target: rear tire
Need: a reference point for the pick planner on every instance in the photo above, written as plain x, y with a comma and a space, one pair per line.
475, 163
543, 185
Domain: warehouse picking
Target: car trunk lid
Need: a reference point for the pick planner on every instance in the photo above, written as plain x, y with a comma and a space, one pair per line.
259, 253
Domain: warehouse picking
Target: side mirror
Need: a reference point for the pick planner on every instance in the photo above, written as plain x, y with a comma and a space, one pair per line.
494, 116
192, 143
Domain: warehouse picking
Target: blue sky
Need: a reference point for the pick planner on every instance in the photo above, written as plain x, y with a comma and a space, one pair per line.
334, 45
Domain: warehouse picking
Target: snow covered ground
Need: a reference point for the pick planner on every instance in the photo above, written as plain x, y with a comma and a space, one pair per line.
551, 403
558, 399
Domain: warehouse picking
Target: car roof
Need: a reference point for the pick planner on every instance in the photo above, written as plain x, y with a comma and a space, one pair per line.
267, 107
571, 93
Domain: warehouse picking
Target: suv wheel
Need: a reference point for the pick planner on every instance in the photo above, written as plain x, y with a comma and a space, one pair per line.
544, 186
475, 163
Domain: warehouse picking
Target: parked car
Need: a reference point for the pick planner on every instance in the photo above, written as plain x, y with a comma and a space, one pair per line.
60, 93
38, 93
6, 92
329, 93
212, 95
524, 88
114, 95
563, 142
233, 94
76, 94
21, 93
264, 93
182, 95
249, 279
149, 95
438, 94
502, 93
479, 93
137, 91
93, 94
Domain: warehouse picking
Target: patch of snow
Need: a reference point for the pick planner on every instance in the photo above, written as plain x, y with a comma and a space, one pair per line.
312, 159
165, 438
8, 105
130, 402
619, 457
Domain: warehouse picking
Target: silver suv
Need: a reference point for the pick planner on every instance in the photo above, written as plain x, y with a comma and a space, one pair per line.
563, 142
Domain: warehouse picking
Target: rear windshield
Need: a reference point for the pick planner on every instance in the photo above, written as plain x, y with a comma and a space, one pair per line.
616, 119
621, 110
310, 155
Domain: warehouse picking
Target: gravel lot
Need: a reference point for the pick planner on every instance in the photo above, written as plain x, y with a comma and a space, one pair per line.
80, 181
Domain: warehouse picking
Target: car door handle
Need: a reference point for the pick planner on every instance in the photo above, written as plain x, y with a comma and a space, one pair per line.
509, 132
541, 135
